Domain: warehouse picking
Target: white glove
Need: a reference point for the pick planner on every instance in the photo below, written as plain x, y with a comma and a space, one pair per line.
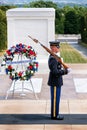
69, 70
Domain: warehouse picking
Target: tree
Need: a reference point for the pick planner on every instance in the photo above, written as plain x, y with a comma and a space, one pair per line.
84, 28
71, 23
3, 30
3, 26
43, 4
59, 21
3, 34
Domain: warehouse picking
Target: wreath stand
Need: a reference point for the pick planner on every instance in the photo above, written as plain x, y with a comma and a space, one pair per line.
22, 81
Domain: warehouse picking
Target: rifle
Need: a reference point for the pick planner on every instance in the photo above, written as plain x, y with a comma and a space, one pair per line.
49, 51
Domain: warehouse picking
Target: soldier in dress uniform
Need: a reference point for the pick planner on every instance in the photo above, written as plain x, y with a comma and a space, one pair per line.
55, 80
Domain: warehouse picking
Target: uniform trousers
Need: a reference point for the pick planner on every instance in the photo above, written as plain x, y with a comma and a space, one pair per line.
55, 100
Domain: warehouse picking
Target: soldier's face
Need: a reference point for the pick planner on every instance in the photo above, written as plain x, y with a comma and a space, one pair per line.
54, 49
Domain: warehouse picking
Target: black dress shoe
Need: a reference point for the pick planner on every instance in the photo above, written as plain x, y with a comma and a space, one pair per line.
59, 117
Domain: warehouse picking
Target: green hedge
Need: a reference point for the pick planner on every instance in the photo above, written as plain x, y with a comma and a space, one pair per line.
3, 30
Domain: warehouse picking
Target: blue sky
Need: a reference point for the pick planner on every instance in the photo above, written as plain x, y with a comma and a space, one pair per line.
65, 1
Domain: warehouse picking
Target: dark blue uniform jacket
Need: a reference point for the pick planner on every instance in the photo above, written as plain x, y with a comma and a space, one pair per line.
56, 72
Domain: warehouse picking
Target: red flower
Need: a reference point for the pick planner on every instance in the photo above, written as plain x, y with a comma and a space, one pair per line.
30, 67
36, 64
8, 52
20, 73
29, 46
34, 53
20, 44
31, 52
24, 50
9, 67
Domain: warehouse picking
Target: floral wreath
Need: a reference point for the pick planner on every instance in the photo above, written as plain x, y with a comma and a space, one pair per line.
20, 50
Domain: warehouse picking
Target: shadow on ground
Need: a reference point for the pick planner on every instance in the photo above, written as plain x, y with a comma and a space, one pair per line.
75, 119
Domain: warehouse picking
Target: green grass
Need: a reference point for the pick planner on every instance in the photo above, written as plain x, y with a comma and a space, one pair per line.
71, 55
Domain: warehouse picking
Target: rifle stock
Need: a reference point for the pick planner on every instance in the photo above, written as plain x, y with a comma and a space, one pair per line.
49, 51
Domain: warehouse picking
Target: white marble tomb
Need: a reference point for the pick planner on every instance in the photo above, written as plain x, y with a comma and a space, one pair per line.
37, 22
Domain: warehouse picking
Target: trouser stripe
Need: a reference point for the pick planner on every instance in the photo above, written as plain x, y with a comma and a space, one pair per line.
54, 102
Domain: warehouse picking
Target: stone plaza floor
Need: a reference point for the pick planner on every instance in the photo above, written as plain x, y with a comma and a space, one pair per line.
25, 112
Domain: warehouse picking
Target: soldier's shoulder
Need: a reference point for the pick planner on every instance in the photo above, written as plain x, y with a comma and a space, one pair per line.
51, 56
